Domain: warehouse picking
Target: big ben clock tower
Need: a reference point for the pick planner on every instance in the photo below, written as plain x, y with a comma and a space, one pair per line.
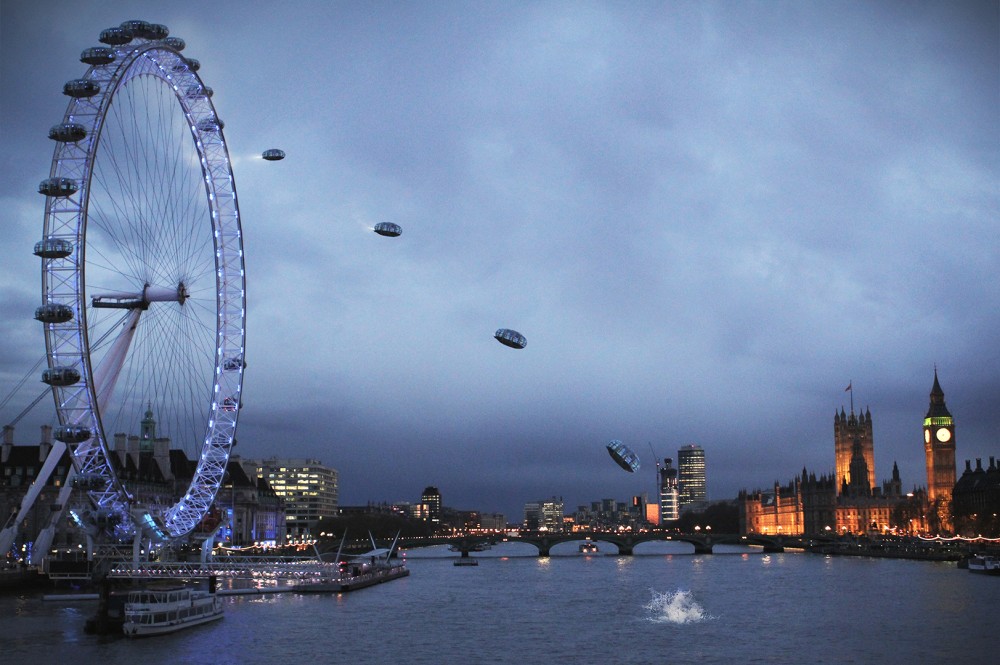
939, 447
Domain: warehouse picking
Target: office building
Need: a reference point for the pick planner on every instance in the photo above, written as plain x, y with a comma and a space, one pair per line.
691, 485
431, 505
309, 489
669, 493
544, 515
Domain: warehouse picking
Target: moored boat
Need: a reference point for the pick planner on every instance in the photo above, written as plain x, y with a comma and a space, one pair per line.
356, 576
358, 571
984, 564
158, 610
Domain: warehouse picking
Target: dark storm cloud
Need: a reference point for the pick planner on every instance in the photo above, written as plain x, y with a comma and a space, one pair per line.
706, 218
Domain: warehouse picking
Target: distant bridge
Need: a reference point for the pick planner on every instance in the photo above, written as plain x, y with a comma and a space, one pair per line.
625, 541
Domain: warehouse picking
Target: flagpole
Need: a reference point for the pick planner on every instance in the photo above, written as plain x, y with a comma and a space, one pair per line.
850, 387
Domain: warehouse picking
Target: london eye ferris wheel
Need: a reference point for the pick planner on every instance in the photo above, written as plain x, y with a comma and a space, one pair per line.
143, 283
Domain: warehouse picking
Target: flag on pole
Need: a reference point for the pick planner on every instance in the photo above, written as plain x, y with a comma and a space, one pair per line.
848, 387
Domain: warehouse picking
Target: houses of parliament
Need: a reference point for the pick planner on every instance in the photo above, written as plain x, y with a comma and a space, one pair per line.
850, 502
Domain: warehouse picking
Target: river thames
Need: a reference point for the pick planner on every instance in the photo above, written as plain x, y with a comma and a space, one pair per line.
663, 605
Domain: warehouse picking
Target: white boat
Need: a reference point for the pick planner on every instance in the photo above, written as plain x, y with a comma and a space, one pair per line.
984, 564
158, 610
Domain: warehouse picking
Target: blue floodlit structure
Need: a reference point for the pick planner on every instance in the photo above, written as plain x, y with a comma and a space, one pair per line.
101, 175
511, 338
623, 456
388, 229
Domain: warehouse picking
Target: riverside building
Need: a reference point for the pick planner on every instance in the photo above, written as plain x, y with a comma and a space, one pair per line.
849, 502
310, 490
544, 515
669, 493
939, 451
691, 483
245, 509
430, 505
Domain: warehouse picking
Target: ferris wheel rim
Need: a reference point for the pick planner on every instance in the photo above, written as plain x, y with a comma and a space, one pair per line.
64, 284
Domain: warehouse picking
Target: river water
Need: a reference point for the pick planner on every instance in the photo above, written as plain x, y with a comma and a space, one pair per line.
663, 605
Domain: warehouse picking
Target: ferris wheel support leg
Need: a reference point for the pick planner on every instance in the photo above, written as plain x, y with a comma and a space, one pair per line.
44, 541
206, 546
106, 376
9, 533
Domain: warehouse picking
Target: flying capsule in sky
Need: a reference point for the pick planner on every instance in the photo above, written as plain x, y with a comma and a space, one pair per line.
511, 338
273, 155
388, 229
623, 456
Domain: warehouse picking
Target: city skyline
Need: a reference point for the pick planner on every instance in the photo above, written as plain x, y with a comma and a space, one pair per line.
707, 220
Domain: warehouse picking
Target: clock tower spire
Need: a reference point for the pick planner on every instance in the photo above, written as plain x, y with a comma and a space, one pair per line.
939, 448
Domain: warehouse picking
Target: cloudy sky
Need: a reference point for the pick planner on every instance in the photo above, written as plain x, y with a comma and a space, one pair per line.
706, 218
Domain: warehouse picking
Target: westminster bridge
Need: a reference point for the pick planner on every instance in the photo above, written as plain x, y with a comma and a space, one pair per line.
625, 541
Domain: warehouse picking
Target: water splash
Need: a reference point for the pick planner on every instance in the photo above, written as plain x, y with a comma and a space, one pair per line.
678, 607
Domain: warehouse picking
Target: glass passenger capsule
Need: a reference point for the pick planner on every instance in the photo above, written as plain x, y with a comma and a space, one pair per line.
388, 229
89, 481
233, 364
72, 433
61, 376
623, 456
193, 64
115, 37
68, 132
176, 43
156, 31
80, 88
511, 338
210, 125
57, 187
97, 55
136, 28
198, 91
53, 248
54, 313
273, 154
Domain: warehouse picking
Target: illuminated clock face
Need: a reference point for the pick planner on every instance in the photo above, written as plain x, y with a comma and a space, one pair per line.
943, 435
927, 435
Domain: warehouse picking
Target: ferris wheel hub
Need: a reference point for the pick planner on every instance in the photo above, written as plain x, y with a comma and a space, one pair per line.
142, 300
